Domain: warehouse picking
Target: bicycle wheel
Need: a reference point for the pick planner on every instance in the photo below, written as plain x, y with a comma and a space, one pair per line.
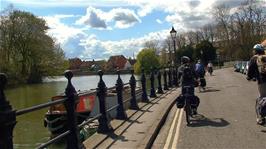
188, 111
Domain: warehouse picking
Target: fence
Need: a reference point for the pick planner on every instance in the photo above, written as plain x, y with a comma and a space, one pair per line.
70, 100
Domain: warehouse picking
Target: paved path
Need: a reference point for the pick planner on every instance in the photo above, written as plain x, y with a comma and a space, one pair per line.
226, 117
137, 131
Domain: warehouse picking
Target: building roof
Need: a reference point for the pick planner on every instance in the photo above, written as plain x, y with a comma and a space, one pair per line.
117, 61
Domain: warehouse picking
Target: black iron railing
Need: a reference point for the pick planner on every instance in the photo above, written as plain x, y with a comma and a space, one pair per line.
70, 99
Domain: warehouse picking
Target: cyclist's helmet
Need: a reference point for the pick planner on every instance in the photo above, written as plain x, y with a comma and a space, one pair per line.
185, 59
258, 48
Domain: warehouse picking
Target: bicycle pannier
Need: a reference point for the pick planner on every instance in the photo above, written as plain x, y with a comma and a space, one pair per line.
180, 101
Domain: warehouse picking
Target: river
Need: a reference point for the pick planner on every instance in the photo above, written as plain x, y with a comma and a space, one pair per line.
29, 131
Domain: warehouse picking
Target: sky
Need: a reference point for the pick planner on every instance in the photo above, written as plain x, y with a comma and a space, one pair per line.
97, 29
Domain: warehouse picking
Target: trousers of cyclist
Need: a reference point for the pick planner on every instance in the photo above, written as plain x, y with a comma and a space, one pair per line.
187, 76
257, 70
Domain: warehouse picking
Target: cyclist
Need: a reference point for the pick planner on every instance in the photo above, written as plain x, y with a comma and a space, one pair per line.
254, 71
187, 77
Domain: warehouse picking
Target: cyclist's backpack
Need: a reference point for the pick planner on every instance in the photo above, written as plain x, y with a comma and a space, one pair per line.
261, 106
187, 73
180, 101
261, 62
200, 69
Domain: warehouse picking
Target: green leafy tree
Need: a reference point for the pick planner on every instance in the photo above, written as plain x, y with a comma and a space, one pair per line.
27, 52
146, 59
205, 51
186, 50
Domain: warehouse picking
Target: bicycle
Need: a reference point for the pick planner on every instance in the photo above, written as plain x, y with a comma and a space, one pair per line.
187, 106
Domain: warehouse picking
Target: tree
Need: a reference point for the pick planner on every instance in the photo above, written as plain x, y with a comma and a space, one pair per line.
186, 50
28, 52
146, 59
205, 51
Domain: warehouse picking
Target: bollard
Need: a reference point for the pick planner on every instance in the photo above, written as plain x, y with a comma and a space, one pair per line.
143, 84
152, 91
170, 77
120, 111
73, 141
7, 117
133, 101
165, 87
104, 123
160, 90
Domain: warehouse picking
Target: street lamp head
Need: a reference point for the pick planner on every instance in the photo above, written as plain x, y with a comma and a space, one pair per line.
173, 33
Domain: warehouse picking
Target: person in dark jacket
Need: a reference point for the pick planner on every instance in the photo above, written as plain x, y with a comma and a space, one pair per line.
187, 80
254, 74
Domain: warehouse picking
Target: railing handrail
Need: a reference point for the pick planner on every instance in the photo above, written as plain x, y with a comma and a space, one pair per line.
67, 95
55, 102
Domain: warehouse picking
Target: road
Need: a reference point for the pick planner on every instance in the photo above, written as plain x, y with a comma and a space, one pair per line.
226, 117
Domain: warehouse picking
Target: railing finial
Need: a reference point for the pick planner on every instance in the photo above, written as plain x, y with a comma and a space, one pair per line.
68, 74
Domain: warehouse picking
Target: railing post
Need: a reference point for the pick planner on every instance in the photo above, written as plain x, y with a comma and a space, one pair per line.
165, 87
169, 77
174, 76
143, 84
7, 117
176, 73
104, 123
160, 90
120, 111
73, 141
152, 91
133, 101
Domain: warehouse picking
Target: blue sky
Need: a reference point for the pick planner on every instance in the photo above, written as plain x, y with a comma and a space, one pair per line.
97, 29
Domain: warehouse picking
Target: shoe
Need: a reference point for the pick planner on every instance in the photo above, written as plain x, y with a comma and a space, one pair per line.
260, 121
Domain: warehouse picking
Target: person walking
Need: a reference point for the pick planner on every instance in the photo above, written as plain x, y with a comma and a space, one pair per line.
200, 71
210, 68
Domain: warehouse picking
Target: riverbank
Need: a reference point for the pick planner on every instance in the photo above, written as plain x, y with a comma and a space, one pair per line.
14, 83
83, 73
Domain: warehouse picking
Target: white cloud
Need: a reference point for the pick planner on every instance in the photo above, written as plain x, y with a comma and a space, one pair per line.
70, 3
183, 14
93, 18
96, 18
60, 30
159, 21
97, 49
124, 18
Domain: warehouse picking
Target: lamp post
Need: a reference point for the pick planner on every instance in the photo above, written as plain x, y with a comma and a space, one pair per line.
174, 62
173, 36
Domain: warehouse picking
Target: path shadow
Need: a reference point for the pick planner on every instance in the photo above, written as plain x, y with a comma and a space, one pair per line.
116, 137
200, 121
134, 121
264, 131
210, 90
145, 110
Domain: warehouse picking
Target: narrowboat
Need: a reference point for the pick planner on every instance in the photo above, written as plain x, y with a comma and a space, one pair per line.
56, 119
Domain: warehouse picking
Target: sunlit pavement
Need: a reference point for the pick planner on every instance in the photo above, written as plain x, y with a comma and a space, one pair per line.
137, 131
226, 117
